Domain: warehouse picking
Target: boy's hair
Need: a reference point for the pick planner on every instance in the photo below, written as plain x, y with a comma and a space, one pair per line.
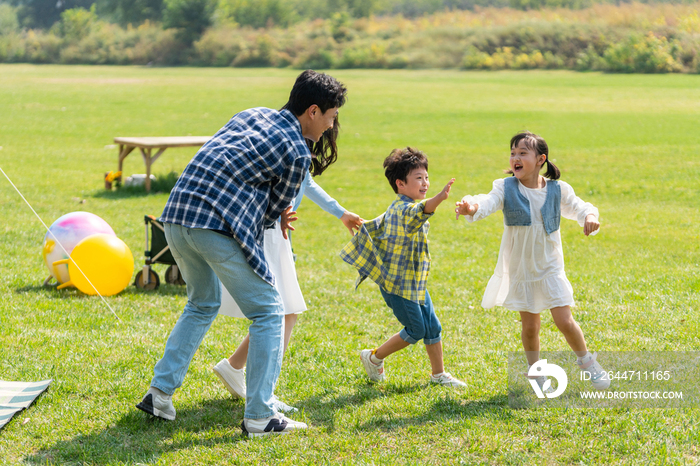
325, 91
539, 145
400, 163
315, 88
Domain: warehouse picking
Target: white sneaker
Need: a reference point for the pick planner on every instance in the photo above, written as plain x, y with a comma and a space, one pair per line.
599, 378
158, 404
282, 407
374, 372
447, 379
233, 379
277, 424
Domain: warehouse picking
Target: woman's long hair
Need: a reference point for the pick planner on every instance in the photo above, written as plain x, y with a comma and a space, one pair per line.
325, 150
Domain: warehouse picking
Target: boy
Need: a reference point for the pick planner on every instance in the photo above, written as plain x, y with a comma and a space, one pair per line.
392, 250
238, 184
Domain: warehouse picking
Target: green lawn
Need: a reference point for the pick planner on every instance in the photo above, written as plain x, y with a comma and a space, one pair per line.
627, 143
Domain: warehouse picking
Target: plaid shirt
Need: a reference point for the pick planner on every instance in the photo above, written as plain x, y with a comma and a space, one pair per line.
242, 179
392, 250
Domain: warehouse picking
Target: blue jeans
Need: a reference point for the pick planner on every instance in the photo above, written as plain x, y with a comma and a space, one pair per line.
419, 320
202, 256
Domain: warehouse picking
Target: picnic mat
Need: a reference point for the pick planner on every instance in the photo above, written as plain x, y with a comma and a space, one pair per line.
15, 396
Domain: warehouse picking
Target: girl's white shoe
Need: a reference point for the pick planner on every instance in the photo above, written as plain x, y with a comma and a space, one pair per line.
447, 379
589, 365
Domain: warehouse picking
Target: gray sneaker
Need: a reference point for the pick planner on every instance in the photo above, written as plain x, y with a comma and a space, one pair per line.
374, 372
158, 404
277, 424
233, 379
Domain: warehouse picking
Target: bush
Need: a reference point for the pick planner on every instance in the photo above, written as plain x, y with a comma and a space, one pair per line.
490, 39
645, 54
190, 17
218, 47
8, 19
315, 60
257, 13
76, 23
372, 56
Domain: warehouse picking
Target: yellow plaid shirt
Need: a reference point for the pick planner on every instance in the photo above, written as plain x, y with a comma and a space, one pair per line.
392, 250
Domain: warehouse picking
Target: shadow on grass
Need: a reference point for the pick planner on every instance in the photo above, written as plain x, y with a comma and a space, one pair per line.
446, 408
140, 438
163, 184
320, 409
126, 193
73, 293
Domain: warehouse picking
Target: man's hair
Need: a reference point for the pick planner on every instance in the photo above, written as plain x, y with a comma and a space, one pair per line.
315, 88
325, 91
400, 163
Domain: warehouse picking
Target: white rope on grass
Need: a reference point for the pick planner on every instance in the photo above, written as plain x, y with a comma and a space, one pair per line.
59, 243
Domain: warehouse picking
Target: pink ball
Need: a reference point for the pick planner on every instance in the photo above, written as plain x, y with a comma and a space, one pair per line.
69, 230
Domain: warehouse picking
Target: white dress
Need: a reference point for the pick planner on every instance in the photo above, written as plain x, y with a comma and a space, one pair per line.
529, 275
278, 253
279, 256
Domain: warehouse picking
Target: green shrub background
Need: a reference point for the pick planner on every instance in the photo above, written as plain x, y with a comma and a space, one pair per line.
630, 38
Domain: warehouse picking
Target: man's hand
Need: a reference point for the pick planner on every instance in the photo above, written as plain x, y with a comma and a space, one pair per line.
286, 219
352, 222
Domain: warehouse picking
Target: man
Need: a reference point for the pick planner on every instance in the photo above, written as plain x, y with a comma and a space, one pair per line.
238, 184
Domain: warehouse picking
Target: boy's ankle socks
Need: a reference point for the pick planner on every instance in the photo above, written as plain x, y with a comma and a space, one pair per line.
375, 360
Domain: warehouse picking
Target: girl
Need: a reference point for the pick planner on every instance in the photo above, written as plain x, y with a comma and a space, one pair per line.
529, 275
278, 252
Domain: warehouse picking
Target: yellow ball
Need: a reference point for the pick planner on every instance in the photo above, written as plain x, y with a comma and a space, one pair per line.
106, 260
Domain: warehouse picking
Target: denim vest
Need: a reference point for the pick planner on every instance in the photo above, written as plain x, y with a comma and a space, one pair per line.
516, 207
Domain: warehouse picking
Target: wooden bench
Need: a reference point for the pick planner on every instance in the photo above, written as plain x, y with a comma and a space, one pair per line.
147, 144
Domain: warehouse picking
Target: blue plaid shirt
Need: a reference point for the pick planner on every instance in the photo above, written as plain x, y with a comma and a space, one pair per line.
242, 179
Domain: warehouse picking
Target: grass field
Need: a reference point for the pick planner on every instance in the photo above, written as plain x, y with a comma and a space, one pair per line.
627, 143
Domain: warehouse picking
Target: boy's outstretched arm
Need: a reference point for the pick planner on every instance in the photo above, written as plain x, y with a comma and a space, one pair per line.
433, 203
465, 208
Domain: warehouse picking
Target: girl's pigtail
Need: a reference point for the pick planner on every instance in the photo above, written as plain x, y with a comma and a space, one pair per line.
552, 171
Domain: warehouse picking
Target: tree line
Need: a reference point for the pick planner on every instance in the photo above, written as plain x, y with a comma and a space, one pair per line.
200, 14
654, 38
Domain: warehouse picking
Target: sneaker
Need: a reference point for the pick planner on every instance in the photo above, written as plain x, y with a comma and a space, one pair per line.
277, 424
374, 372
233, 379
541, 380
282, 407
158, 404
446, 379
599, 378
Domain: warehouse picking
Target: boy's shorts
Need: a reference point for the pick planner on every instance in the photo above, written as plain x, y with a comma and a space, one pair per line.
419, 320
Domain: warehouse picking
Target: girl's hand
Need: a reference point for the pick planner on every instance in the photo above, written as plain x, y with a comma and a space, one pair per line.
286, 219
352, 221
591, 224
465, 208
